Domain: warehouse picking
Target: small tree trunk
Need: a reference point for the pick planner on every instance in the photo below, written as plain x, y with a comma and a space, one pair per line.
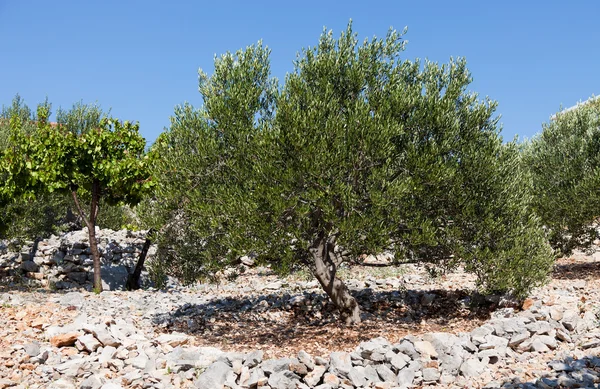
133, 281
324, 268
96, 258
92, 234
91, 225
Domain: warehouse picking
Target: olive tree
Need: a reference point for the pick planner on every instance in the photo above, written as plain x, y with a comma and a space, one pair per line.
106, 162
564, 162
356, 152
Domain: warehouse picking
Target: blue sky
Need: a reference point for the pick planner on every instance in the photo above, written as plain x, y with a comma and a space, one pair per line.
140, 58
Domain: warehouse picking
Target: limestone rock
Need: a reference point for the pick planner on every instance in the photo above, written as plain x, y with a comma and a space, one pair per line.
519, 338
89, 342
111, 385
340, 363
107, 354
386, 374
408, 348
284, 380
214, 376
173, 339
62, 384
356, 375
32, 349
64, 340
431, 374
570, 319
313, 377
92, 382
472, 368
254, 358
331, 379
306, 359
406, 377
426, 349
105, 337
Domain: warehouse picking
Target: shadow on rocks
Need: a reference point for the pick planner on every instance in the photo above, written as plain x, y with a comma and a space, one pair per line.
577, 271
569, 372
297, 321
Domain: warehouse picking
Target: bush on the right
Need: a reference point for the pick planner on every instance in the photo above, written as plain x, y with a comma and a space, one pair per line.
564, 165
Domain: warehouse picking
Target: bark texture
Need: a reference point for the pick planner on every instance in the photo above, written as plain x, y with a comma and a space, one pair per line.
91, 225
324, 268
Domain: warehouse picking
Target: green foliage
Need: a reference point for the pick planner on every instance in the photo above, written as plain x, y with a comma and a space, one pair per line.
564, 162
50, 213
81, 117
357, 148
17, 108
106, 162
27, 218
19, 112
58, 160
117, 217
35, 218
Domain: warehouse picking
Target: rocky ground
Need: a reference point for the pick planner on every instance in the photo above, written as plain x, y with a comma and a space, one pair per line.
264, 332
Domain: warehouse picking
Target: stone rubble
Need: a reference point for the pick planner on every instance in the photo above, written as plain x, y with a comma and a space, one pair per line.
65, 262
114, 340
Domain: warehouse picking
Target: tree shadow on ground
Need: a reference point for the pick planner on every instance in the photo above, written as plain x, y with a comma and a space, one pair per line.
577, 271
283, 324
114, 278
12, 283
569, 372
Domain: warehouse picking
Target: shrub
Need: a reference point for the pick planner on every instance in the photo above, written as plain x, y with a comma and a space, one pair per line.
564, 163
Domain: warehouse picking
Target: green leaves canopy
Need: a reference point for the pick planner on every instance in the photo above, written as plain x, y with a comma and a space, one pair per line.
31, 217
357, 147
564, 162
56, 159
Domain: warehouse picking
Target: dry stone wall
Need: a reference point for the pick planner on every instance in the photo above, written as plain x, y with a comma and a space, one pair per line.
65, 262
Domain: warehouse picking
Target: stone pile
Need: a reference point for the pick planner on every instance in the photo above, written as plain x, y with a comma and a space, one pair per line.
65, 262
116, 339
104, 349
433, 359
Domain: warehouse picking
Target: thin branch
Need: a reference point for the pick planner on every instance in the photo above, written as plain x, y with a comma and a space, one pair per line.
94, 204
76, 200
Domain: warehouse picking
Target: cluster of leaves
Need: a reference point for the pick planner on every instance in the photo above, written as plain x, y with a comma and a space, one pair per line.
357, 149
27, 217
36, 213
564, 163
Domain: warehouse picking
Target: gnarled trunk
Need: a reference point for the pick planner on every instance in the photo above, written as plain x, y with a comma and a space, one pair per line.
324, 267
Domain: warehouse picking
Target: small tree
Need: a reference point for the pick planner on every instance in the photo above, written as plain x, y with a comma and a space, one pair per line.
50, 213
564, 162
107, 163
357, 152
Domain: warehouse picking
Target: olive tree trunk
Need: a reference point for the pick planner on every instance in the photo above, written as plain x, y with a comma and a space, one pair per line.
324, 267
